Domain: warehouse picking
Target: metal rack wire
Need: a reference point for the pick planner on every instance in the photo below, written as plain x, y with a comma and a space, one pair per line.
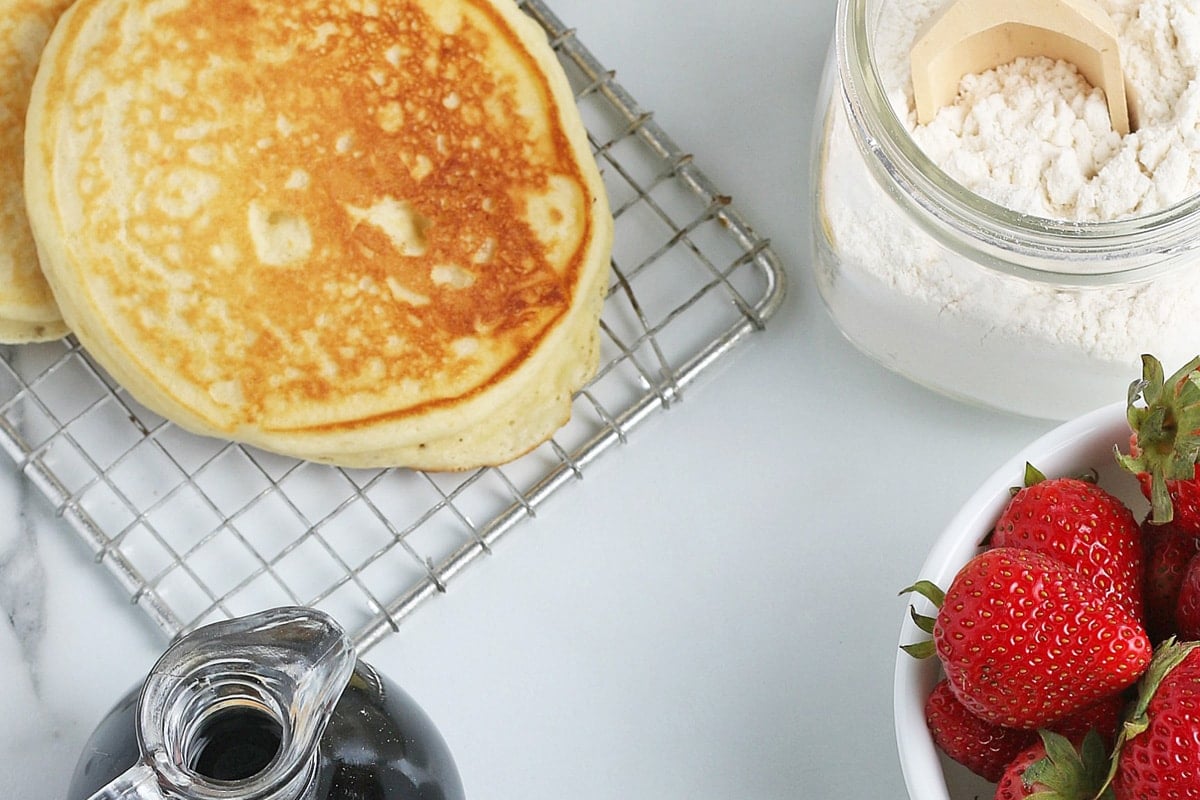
198, 529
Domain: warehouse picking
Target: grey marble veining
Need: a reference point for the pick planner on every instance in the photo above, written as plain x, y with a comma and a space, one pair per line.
30, 732
69, 643
22, 576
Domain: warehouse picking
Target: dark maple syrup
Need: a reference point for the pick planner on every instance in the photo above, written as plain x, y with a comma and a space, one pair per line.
378, 744
235, 744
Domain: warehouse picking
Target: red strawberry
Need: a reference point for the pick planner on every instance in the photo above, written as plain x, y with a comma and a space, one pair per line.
1165, 443
1167, 553
1081, 525
1052, 769
1025, 640
987, 749
1158, 754
980, 746
1187, 608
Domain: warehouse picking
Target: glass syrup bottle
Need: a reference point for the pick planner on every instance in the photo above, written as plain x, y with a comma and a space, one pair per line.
273, 706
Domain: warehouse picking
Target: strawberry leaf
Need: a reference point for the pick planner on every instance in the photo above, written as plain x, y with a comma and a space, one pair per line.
1067, 774
922, 621
927, 589
920, 650
934, 594
1167, 427
1032, 477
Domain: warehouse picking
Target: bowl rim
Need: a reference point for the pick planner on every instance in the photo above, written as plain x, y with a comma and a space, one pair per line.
920, 762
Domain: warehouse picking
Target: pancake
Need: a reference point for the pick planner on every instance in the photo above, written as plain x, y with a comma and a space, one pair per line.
365, 233
27, 308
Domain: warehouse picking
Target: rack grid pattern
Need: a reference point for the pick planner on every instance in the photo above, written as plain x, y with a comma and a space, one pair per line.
198, 529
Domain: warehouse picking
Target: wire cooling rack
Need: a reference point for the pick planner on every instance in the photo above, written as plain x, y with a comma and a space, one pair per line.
198, 529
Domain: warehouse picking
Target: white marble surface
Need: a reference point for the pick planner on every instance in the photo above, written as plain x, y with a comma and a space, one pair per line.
712, 613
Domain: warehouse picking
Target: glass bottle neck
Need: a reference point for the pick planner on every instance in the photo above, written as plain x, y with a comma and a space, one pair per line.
235, 711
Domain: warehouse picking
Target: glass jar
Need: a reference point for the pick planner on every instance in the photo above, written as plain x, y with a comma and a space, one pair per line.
1040, 317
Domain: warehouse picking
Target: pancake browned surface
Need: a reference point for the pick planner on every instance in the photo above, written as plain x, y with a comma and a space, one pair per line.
27, 308
360, 232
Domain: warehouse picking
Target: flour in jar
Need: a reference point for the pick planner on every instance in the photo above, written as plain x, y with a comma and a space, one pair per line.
1035, 137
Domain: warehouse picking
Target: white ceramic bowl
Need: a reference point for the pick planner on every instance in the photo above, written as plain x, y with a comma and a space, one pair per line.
1070, 449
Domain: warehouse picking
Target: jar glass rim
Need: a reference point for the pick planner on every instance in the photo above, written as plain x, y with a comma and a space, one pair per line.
1076, 247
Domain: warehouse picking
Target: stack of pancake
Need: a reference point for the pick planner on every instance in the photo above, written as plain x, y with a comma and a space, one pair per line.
364, 232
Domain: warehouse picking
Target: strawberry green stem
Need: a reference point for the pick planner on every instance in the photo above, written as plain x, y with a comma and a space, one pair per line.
927, 589
933, 593
1167, 427
1067, 774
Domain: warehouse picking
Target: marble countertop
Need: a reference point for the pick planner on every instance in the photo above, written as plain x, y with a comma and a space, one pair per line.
712, 613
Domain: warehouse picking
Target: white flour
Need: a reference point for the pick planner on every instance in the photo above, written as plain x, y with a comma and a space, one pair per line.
1035, 137
1032, 136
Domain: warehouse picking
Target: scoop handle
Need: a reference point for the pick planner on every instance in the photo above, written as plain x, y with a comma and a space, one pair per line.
971, 36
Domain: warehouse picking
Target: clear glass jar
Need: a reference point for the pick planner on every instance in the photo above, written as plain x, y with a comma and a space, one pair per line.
1039, 317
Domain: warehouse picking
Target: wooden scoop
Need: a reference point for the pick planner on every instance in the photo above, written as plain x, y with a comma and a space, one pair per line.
971, 36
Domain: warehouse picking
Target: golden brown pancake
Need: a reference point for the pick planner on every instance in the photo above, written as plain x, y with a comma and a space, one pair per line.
368, 233
27, 308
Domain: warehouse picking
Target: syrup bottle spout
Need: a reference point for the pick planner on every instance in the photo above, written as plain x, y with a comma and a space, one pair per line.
236, 710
